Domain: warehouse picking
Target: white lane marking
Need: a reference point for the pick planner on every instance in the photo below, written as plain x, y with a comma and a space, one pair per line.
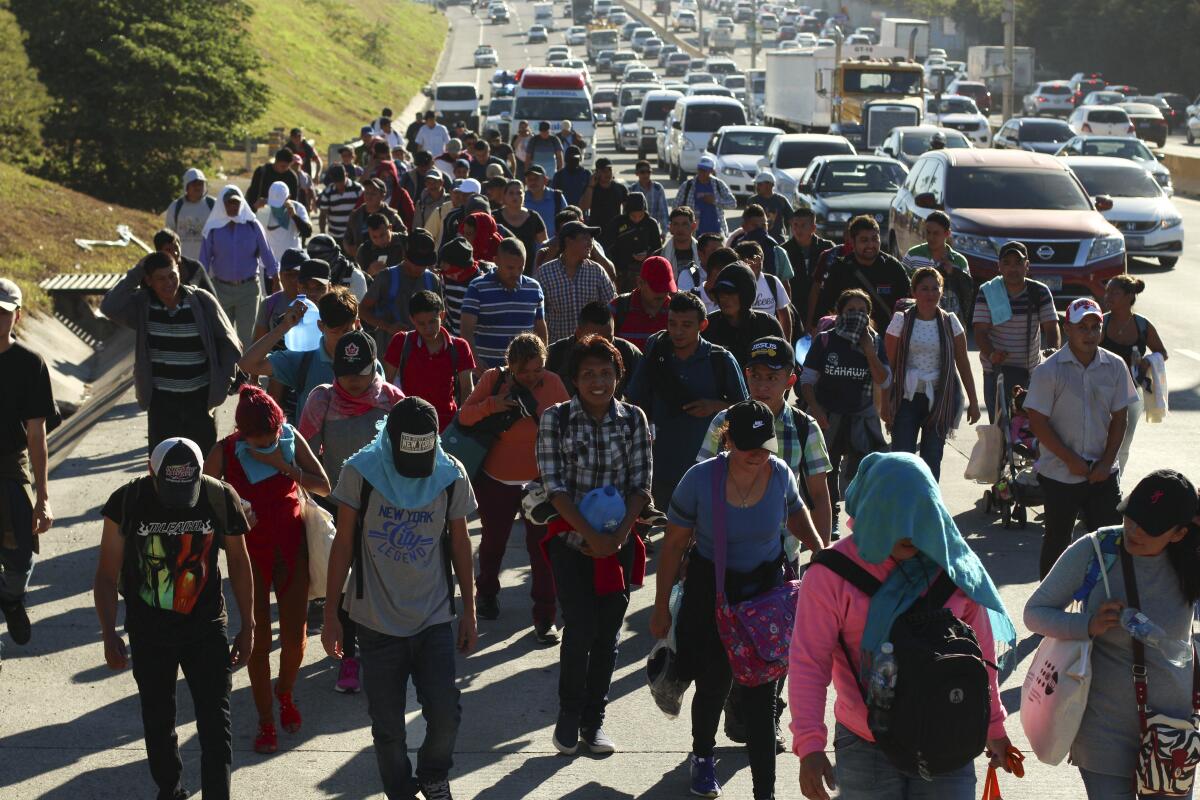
1189, 353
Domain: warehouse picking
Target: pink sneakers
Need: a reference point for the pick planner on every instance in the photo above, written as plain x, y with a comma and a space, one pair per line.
347, 682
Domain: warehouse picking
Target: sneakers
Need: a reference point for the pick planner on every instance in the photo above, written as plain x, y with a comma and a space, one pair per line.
566, 734
545, 633
487, 606
703, 773
597, 741
289, 715
652, 516
436, 790
17, 621
347, 682
780, 743
267, 741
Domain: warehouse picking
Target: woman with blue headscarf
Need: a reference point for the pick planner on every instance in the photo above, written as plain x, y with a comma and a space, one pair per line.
904, 537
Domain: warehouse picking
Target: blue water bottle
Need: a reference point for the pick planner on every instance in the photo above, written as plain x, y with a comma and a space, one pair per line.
603, 508
305, 335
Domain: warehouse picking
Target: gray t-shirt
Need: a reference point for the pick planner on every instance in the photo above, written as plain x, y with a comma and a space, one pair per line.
404, 573
189, 224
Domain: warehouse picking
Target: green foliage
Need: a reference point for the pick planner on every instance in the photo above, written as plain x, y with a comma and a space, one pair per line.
23, 99
143, 86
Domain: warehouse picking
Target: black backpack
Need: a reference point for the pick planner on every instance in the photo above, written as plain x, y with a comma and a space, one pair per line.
940, 712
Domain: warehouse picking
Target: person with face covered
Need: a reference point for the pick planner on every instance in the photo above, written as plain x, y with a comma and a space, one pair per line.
159, 549
267, 464
841, 370
735, 325
409, 502
906, 540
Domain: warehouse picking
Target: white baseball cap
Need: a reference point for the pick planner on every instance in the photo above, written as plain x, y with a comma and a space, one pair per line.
10, 295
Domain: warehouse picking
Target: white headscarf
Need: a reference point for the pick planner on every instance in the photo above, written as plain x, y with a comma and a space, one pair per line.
217, 218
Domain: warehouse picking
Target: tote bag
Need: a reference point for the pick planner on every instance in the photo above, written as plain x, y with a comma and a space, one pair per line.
319, 530
1055, 692
986, 455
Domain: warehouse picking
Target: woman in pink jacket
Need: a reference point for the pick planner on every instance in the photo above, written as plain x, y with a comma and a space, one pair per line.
904, 537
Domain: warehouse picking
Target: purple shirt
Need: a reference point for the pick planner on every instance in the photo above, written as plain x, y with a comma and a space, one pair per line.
231, 253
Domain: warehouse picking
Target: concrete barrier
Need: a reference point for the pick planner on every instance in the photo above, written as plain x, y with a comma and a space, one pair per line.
1185, 173
663, 33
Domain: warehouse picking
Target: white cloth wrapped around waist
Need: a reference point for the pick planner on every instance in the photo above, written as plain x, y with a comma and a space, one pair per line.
1156, 400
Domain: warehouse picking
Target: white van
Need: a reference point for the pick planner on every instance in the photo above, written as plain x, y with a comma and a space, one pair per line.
695, 120
656, 105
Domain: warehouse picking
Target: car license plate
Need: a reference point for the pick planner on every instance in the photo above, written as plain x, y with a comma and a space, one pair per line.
1053, 282
1134, 242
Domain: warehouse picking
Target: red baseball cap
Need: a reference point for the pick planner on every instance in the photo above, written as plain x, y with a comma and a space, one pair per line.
658, 274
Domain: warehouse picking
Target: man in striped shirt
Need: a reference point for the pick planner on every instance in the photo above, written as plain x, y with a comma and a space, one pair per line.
186, 349
337, 201
502, 304
572, 280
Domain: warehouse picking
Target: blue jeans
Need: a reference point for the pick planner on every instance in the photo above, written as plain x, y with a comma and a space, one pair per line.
909, 422
863, 772
1112, 787
388, 662
16, 545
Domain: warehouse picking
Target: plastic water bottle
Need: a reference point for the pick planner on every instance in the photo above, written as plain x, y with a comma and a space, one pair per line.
1144, 629
305, 335
603, 508
882, 687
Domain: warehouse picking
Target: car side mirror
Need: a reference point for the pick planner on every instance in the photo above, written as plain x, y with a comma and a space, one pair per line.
1104, 202
927, 200
1158, 154
888, 152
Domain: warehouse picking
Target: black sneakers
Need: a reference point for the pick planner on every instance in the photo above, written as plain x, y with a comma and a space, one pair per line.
566, 734
597, 741
17, 620
545, 633
487, 606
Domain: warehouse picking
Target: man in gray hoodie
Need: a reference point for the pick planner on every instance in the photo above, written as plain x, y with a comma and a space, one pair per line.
186, 352
187, 213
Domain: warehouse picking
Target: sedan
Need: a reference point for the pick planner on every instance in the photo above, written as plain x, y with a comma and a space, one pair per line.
1052, 98
839, 188
629, 129
1121, 147
737, 149
961, 114
1178, 104
1102, 98
576, 36
677, 64
1152, 226
537, 35
603, 103
651, 48
665, 52
485, 56
909, 142
1148, 122
1035, 135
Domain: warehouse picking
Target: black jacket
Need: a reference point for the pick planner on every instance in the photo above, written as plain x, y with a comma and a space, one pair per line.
752, 325
886, 281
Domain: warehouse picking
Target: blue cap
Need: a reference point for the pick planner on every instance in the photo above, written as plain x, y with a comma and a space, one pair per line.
706, 162
366, 129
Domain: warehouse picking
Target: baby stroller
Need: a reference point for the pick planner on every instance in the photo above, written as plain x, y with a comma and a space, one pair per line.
1018, 488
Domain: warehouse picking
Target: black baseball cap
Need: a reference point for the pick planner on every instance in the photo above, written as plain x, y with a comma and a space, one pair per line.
752, 426
603, 163
412, 427
543, 126
575, 228
354, 354
422, 157
536, 169
635, 201
176, 464
292, 258
772, 352
1014, 247
573, 152
323, 247
457, 252
1160, 501
315, 270
421, 249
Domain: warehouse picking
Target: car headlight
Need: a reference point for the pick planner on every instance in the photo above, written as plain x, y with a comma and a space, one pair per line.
975, 245
838, 216
1163, 178
1170, 222
1106, 246
646, 131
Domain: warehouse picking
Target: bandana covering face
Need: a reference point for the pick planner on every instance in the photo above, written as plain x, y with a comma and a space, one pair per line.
377, 465
851, 325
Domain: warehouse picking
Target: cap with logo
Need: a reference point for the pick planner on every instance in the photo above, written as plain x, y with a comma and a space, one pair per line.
1161, 501
772, 352
421, 249
412, 427
752, 426
354, 354
176, 465
10, 295
292, 258
1082, 307
659, 275
707, 163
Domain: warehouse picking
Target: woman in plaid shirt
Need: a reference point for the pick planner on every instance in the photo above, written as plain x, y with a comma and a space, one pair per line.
588, 443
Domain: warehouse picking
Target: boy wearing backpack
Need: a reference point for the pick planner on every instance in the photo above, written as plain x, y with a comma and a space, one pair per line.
905, 582
402, 523
385, 307
187, 215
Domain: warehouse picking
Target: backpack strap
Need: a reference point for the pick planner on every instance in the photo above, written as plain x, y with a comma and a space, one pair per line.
621, 310
1143, 330
720, 372
939, 592
214, 492
175, 207
306, 360
447, 557
364, 497
405, 352
800, 420
844, 567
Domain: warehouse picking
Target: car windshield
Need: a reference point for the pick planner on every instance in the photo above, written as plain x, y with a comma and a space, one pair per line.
735, 82
758, 83
917, 142
796, 155
619, 57
953, 105
707, 119
700, 77
500, 104
856, 177
1114, 148
676, 58
1141, 109
745, 143
631, 97
1107, 115
575, 109
1124, 182
1103, 98
872, 81
456, 93
1055, 89
602, 37
631, 115
658, 109
989, 187
604, 96
1045, 131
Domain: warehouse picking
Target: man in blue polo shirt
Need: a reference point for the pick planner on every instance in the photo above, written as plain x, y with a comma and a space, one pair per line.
306, 369
502, 304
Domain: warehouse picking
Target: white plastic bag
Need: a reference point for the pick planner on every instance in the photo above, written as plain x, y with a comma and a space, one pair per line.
319, 530
986, 455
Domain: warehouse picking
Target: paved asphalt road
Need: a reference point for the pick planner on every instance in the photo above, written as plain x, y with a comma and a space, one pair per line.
71, 729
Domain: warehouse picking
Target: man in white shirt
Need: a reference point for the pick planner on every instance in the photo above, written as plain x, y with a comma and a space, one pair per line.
772, 298
433, 137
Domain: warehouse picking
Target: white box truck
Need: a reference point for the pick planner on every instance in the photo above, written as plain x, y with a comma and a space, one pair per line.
986, 63
861, 92
898, 32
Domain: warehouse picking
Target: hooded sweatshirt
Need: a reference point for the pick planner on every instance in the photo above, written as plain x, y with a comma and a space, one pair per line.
751, 324
187, 219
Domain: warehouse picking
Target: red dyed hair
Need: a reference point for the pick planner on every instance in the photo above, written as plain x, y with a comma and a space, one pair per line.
257, 412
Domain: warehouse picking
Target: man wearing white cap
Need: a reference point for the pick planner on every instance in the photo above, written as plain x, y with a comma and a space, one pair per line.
779, 210
162, 533
188, 213
27, 412
1078, 403
708, 196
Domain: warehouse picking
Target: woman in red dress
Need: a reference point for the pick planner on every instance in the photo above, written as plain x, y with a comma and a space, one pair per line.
266, 462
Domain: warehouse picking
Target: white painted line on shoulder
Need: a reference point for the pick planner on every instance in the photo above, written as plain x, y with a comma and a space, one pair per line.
1192, 354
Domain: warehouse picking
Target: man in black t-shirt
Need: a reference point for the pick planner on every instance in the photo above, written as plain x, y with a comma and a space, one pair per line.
603, 198
27, 413
595, 318
159, 549
886, 279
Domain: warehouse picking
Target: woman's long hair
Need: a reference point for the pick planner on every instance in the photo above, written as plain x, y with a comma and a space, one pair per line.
1184, 556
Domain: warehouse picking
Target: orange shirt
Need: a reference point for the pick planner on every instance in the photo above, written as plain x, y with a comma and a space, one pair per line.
514, 455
